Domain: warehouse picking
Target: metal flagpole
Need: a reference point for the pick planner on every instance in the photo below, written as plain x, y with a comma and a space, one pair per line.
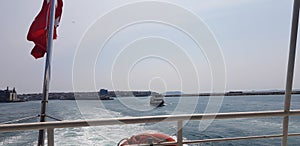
47, 71
290, 70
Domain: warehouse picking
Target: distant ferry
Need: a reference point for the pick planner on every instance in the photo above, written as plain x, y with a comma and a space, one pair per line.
157, 100
103, 95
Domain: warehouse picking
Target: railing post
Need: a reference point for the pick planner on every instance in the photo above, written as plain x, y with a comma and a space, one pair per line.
50, 135
290, 71
179, 133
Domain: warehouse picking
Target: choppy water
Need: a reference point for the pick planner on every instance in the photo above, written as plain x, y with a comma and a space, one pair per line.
131, 107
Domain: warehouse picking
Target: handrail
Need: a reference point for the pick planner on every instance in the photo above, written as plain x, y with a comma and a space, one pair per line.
231, 139
152, 119
145, 119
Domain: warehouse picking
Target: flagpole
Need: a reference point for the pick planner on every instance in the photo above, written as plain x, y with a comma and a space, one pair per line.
290, 71
47, 73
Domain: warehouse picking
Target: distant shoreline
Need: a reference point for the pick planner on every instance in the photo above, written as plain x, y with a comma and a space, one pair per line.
94, 95
235, 93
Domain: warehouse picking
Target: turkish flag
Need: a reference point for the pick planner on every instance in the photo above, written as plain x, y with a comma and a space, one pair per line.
38, 30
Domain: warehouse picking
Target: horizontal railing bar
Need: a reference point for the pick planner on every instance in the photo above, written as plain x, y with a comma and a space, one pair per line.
146, 119
294, 134
222, 139
231, 139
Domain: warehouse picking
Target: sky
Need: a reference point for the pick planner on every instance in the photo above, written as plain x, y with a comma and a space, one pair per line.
162, 45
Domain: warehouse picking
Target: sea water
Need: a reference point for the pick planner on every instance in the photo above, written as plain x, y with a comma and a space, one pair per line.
139, 106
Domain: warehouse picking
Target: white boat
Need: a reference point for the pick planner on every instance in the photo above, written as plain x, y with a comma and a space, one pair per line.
157, 100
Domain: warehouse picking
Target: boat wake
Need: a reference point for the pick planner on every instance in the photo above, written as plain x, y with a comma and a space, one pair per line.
96, 135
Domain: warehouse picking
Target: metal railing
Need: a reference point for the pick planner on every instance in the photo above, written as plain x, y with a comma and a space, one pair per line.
50, 126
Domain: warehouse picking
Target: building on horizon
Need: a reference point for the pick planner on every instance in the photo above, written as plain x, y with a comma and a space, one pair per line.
8, 95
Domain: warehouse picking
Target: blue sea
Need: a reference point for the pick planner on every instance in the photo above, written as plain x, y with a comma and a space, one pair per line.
139, 106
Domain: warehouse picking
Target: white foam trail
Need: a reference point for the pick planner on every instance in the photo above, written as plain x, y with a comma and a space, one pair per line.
97, 135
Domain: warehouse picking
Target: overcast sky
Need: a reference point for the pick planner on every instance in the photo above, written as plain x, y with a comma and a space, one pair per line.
158, 52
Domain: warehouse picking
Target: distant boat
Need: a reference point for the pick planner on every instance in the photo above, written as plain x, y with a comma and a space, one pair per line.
157, 100
103, 95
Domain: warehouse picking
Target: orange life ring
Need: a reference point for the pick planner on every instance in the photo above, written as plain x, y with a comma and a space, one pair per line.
148, 138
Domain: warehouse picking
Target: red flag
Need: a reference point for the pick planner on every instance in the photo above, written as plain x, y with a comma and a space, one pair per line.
38, 30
